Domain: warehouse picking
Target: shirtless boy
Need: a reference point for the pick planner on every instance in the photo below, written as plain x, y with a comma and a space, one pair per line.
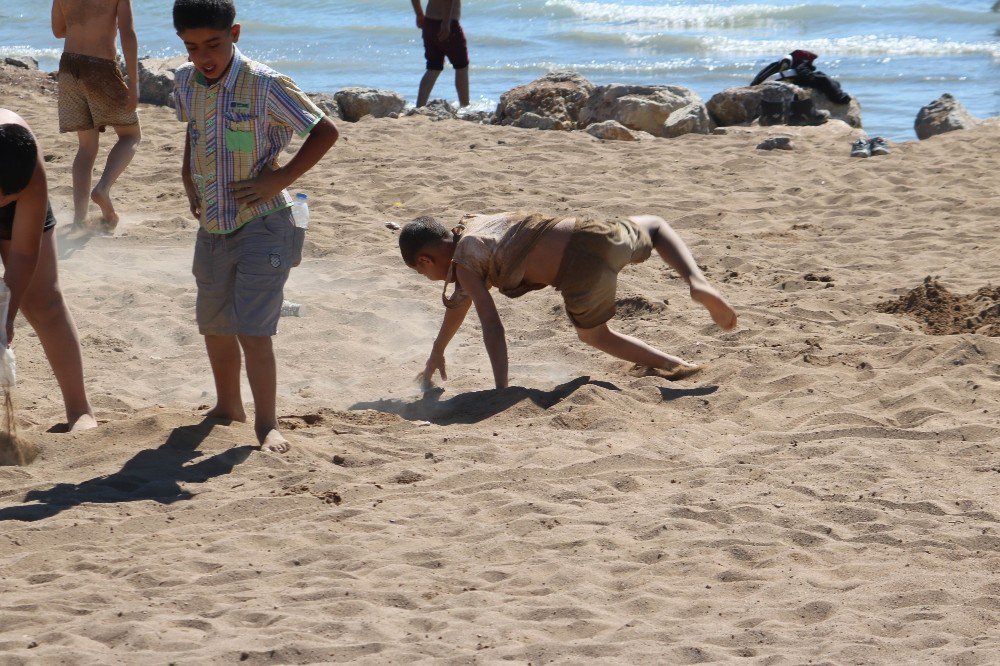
443, 37
581, 258
28, 248
93, 94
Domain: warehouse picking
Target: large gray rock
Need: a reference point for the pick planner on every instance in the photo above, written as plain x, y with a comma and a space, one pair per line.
436, 109
611, 130
945, 114
21, 62
741, 106
156, 79
648, 109
529, 120
327, 103
356, 103
559, 96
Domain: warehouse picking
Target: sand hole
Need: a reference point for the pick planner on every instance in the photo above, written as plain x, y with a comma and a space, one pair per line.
944, 313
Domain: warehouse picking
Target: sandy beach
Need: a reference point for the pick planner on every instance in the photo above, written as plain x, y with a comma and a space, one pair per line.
825, 493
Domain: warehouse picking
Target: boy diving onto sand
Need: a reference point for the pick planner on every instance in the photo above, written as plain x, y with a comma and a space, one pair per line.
240, 116
93, 94
581, 258
28, 247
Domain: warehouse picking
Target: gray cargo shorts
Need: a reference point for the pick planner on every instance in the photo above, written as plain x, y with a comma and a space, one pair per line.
241, 275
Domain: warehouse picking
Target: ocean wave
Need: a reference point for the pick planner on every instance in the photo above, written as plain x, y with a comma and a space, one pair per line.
688, 17
859, 45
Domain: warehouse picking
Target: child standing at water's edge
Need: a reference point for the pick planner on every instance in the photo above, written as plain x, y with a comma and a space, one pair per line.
443, 38
93, 94
240, 116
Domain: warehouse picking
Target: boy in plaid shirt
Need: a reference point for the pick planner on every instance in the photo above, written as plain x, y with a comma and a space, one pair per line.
240, 116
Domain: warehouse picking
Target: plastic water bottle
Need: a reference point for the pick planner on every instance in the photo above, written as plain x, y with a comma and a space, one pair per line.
8, 364
300, 210
289, 309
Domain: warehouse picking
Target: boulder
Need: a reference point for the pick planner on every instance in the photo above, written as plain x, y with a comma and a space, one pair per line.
611, 130
529, 120
481, 117
559, 96
436, 109
776, 143
21, 62
945, 114
327, 104
156, 79
741, 106
356, 103
648, 109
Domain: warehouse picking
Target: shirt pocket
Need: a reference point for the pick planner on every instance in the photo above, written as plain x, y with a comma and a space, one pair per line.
240, 132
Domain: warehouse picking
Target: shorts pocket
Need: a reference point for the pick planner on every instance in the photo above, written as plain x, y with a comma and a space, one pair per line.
298, 242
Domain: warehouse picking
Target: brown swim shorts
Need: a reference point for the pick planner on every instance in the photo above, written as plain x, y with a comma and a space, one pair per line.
455, 48
588, 275
92, 94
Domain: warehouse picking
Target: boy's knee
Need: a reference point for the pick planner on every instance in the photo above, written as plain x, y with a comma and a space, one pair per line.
43, 307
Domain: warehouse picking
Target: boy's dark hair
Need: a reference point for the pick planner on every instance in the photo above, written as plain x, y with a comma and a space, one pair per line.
415, 235
20, 154
194, 14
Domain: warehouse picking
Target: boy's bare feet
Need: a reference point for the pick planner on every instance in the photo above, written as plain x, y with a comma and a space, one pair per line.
675, 373
272, 440
85, 422
103, 200
720, 309
224, 414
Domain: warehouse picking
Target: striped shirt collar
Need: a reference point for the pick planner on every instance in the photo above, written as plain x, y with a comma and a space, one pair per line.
234, 71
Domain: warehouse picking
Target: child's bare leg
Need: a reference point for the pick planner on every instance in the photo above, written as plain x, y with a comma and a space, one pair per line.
427, 85
634, 350
44, 308
676, 254
118, 159
263, 375
83, 173
462, 85
224, 356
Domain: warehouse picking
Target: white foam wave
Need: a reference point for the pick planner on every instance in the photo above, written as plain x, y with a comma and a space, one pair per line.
858, 45
675, 16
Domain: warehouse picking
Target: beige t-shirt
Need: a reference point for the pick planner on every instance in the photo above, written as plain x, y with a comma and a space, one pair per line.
495, 248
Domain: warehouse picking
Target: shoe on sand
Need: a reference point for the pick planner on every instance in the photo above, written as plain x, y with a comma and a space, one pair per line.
878, 146
861, 148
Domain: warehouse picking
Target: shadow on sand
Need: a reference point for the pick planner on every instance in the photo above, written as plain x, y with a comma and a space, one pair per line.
153, 474
476, 406
697, 392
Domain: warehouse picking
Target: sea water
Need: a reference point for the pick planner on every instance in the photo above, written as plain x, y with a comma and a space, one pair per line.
894, 55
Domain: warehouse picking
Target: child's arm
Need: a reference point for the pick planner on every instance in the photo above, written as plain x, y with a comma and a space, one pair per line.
130, 47
22, 258
270, 183
419, 12
58, 20
493, 333
192, 191
453, 318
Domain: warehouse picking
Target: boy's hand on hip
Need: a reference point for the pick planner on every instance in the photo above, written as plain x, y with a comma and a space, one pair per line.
267, 185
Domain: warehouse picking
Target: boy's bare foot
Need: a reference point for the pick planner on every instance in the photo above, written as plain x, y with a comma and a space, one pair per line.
103, 200
673, 374
720, 309
223, 414
272, 440
84, 422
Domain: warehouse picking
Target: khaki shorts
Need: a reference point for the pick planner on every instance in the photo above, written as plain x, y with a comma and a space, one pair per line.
241, 275
588, 275
92, 94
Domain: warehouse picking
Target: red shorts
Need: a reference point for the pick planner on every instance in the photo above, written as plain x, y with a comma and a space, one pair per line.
454, 48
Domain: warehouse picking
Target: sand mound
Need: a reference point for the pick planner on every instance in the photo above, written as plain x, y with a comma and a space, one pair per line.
945, 313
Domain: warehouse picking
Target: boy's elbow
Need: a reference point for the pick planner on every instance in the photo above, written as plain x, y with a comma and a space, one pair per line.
328, 132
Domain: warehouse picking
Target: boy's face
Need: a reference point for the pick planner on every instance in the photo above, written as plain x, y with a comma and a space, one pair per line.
432, 266
210, 50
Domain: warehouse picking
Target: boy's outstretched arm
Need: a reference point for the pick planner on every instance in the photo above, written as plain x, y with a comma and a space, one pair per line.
58, 20
270, 183
493, 333
130, 47
453, 318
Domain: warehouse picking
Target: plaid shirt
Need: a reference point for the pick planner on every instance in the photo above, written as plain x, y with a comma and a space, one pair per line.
237, 126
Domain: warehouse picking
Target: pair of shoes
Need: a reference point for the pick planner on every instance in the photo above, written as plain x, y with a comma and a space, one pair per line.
867, 147
804, 112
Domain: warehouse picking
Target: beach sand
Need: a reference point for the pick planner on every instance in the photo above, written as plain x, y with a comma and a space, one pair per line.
826, 492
